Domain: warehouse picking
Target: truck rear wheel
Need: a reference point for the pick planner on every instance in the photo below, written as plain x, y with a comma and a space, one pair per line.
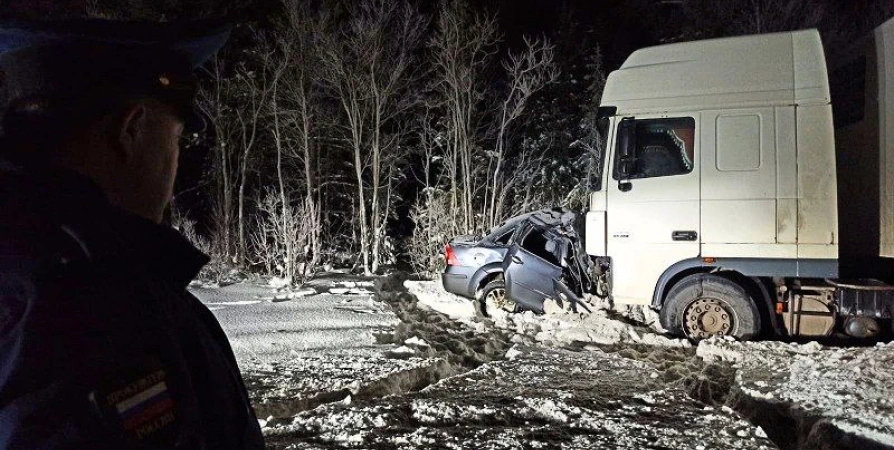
705, 305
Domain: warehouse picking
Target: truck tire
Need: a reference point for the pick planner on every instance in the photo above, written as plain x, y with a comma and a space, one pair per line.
493, 296
705, 305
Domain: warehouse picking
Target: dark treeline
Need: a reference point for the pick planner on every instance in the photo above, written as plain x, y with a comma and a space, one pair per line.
362, 132
337, 124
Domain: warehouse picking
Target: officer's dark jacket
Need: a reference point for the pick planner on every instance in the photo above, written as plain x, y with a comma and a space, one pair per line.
101, 346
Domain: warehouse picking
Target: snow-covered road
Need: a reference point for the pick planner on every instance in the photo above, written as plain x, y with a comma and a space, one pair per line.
533, 398
265, 326
336, 366
346, 370
806, 395
300, 349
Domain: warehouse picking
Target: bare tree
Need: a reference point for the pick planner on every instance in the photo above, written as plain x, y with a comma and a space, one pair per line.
215, 100
300, 43
369, 67
528, 72
235, 99
255, 81
342, 62
462, 47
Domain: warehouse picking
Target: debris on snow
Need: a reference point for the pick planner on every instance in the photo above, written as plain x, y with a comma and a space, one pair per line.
400, 352
238, 303
350, 291
561, 327
512, 353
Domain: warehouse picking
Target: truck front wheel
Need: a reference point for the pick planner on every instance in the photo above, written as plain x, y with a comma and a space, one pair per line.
705, 305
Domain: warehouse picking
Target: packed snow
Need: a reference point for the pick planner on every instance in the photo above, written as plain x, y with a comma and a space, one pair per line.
558, 327
849, 389
312, 349
541, 398
348, 362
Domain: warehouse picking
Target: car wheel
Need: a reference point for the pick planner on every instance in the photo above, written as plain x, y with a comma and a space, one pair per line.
493, 297
704, 305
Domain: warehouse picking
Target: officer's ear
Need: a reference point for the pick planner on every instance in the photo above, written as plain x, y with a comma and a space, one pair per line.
131, 126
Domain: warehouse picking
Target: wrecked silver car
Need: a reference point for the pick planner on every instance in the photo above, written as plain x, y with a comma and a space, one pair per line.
522, 263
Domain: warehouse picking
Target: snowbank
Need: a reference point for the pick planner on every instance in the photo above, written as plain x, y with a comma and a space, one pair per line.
851, 389
556, 328
433, 295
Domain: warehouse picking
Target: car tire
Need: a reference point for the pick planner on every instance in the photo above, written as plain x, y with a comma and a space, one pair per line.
706, 305
493, 296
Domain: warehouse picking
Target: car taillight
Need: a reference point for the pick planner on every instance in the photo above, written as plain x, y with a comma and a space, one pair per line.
452, 260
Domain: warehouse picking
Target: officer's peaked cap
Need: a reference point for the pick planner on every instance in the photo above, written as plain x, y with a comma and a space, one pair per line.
62, 61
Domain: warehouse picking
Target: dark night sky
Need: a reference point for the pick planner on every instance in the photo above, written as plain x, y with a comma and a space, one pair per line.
618, 26
622, 26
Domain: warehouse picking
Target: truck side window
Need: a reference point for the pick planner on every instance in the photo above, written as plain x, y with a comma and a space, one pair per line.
664, 147
535, 242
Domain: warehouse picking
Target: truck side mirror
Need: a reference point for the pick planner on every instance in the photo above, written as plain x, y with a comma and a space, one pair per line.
626, 148
627, 139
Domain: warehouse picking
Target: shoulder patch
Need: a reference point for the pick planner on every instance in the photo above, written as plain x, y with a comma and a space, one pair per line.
137, 402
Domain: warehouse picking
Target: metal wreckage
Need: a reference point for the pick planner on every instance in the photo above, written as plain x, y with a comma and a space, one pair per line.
525, 262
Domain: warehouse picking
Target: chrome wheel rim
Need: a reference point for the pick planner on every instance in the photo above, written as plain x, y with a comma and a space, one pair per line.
708, 317
497, 299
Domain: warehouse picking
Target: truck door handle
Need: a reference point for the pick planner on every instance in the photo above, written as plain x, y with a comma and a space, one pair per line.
684, 235
517, 260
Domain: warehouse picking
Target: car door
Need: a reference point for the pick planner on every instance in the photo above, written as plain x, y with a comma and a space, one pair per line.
653, 218
531, 268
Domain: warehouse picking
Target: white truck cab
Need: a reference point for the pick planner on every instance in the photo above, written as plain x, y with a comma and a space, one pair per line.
719, 199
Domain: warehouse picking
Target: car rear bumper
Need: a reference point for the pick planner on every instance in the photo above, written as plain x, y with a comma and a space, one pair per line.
456, 280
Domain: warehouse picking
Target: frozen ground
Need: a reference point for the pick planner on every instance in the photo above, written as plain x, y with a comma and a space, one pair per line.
805, 395
838, 395
335, 366
532, 398
298, 349
559, 328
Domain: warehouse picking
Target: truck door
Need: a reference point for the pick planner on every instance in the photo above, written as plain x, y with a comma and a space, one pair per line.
531, 268
653, 202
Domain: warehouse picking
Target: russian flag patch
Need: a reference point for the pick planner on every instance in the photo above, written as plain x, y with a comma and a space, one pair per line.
141, 404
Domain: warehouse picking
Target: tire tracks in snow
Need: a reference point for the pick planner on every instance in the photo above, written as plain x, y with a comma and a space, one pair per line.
455, 349
787, 424
461, 348
449, 349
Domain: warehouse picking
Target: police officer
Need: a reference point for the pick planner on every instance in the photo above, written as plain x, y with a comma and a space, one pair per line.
101, 345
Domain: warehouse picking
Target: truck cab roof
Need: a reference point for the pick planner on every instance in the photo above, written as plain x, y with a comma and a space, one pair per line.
769, 69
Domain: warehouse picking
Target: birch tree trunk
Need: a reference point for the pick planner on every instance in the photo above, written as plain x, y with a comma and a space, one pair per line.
462, 47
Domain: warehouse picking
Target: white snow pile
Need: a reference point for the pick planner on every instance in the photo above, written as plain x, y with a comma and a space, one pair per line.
558, 327
351, 287
433, 295
434, 412
853, 388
